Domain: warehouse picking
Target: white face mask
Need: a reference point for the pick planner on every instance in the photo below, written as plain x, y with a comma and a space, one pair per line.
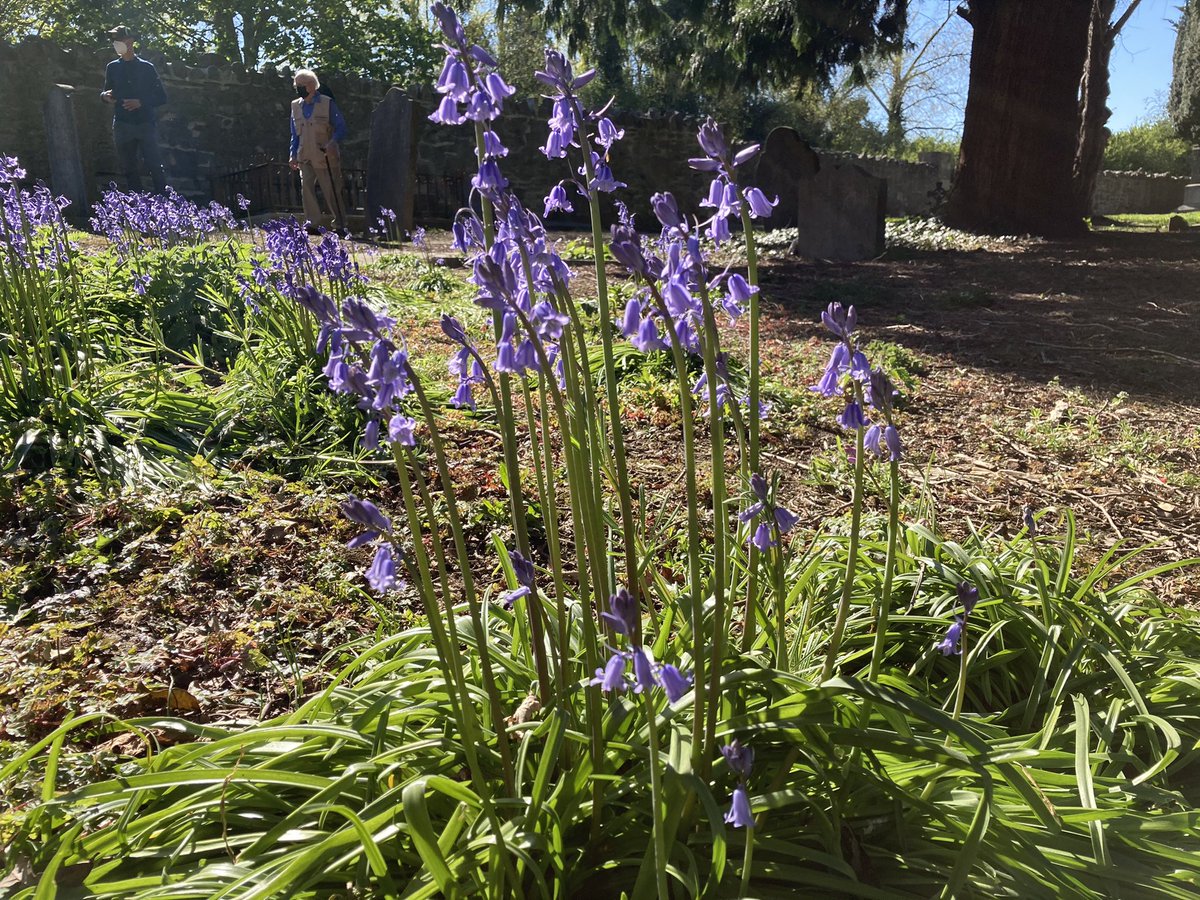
119, 48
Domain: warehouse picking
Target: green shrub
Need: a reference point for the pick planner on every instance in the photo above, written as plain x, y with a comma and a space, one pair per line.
1149, 146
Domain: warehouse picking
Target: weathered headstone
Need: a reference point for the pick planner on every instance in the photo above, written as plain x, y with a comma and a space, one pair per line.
391, 162
62, 144
785, 160
840, 214
1177, 223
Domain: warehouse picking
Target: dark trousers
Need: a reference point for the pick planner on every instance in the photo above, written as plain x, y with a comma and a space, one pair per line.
133, 141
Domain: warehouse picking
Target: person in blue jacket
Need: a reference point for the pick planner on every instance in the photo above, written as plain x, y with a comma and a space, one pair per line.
132, 86
317, 131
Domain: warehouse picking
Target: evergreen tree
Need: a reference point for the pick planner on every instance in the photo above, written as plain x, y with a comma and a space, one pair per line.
1183, 102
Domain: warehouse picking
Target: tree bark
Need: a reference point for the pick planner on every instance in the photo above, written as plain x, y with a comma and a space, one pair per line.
1093, 100
1022, 119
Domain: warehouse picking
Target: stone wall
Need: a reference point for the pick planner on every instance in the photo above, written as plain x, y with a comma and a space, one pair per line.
221, 117
652, 157
1137, 192
909, 184
217, 118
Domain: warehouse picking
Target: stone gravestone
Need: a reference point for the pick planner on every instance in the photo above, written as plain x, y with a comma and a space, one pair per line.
784, 161
62, 145
1191, 192
840, 214
391, 161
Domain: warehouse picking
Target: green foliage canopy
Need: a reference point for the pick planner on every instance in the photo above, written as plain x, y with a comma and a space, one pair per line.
1183, 102
726, 43
389, 40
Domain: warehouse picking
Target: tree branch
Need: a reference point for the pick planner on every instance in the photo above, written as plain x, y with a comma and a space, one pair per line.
1116, 27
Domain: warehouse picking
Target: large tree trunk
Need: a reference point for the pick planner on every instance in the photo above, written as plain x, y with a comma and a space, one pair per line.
1022, 119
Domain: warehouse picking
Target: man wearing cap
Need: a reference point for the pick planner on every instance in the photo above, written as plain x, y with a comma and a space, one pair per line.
131, 84
317, 131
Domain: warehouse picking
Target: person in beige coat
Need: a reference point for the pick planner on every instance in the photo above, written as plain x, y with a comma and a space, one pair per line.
317, 131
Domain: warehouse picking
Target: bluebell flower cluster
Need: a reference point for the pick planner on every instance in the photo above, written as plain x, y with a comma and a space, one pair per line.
466, 364
740, 760
672, 273
849, 375
134, 221
364, 362
614, 676
520, 276
382, 574
29, 213
773, 520
570, 128
951, 644
725, 196
294, 261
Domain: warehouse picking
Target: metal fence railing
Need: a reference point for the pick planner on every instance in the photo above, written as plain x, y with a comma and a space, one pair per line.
274, 187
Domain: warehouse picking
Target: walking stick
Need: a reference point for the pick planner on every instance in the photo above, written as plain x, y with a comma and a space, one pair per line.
336, 190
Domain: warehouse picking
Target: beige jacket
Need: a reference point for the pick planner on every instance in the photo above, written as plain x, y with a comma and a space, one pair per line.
315, 131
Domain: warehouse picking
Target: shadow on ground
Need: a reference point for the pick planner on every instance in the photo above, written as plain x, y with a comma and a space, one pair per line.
1115, 312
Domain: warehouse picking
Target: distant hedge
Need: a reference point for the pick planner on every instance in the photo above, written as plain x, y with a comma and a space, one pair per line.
1150, 146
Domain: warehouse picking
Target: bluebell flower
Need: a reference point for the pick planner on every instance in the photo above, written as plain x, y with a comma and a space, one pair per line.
762, 538
497, 88
370, 439
746, 154
631, 321
557, 199
604, 180
382, 574
949, 645
674, 682
852, 417
739, 758
448, 22
643, 670
525, 574
491, 148
623, 613
647, 339
401, 430
480, 108
841, 321
785, 520
366, 514
666, 210
608, 133
760, 206
612, 676
892, 438
740, 290
712, 141
447, 113
740, 814
454, 81
490, 180
968, 596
